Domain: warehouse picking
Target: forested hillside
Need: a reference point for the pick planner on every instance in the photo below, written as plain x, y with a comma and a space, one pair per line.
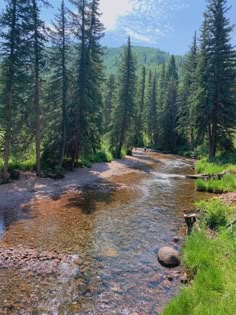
62, 107
150, 57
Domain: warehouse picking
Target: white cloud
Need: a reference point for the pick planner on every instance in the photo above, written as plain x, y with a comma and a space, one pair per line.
113, 9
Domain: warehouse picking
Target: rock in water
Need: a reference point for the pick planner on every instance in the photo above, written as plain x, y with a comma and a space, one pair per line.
168, 257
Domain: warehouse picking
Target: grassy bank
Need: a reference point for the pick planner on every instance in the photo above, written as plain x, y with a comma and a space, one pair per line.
210, 257
227, 183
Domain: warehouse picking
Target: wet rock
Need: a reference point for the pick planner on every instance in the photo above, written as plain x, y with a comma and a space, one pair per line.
176, 239
184, 278
168, 257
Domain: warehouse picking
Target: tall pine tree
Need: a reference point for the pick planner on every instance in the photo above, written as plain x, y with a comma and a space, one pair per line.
123, 116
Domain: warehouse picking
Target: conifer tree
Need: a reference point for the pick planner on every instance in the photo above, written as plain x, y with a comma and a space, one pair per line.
13, 73
187, 96
218, 76
55, 146
123, 115
140, 115
36, 44
168, 120
88, 31
109, 102
152, 121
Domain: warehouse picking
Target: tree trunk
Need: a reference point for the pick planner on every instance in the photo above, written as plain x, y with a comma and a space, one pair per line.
64, 90
36, 90
10, 95
8, 134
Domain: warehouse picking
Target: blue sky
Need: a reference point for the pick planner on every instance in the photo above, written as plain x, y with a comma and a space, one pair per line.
166, 24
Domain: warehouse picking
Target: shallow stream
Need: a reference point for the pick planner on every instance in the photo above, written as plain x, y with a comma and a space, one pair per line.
116, 227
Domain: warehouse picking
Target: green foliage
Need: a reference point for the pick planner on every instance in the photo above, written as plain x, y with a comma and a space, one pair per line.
205, 167
215, 212
213, 264
26, 165
216, 167
123, 133
217, 186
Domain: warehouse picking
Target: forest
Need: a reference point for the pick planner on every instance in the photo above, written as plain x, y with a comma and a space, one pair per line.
60, 106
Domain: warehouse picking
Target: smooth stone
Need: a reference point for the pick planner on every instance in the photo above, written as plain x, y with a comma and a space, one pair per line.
168, 257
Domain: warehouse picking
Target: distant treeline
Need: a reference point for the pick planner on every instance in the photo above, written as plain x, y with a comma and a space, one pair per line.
57, 106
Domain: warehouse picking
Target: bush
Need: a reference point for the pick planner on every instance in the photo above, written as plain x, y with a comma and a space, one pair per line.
215, 212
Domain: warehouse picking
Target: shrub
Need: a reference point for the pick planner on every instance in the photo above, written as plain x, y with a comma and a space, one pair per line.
214, 212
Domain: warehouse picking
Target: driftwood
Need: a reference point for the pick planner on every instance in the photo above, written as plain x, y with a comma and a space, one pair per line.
190, 219
207, 176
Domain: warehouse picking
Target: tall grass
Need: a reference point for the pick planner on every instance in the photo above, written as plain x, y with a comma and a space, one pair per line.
214, 212
218, 186
212, 262
210, 168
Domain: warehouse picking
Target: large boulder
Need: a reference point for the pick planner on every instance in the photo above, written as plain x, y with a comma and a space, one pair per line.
168, 257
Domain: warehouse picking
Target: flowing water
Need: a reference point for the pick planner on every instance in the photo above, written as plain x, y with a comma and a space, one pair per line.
116, 227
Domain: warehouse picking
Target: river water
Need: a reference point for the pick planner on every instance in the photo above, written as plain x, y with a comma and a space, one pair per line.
116, 227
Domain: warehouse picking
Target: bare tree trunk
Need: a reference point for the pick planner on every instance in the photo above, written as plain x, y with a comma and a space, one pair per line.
10, 96
36, 90
8, 134
64, 88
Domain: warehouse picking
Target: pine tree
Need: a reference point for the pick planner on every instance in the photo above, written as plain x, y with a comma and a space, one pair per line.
168, 119
123, 115
187, 96
152, 121
14, 78
58, 85
109, 102
88, 77
36, 46
219, 75
140, 115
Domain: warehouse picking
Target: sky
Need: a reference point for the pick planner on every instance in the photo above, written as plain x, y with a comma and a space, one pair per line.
166, 24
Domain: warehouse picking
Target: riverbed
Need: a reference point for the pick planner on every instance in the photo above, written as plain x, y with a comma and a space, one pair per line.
113, 225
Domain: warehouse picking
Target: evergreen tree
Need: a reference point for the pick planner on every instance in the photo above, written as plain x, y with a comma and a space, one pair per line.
123, 115
140, 115
152, 121
109, 102
36, 45
168, 120
218, 76
88, 78
187, 96
56, 130
14, 78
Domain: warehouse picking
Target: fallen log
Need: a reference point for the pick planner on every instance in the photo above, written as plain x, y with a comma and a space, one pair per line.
209, 176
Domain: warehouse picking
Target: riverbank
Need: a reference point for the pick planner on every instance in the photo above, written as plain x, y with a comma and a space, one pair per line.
209, 252
30, 187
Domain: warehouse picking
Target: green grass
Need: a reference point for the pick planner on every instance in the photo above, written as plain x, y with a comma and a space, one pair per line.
212, 262
214, 213
216, 167
218, 186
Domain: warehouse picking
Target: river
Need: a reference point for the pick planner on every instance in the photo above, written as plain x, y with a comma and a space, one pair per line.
116, 227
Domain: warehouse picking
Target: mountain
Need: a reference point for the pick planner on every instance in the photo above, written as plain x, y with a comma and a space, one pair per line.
153, 58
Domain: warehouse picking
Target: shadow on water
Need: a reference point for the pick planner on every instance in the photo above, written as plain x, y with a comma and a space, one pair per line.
116, 227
